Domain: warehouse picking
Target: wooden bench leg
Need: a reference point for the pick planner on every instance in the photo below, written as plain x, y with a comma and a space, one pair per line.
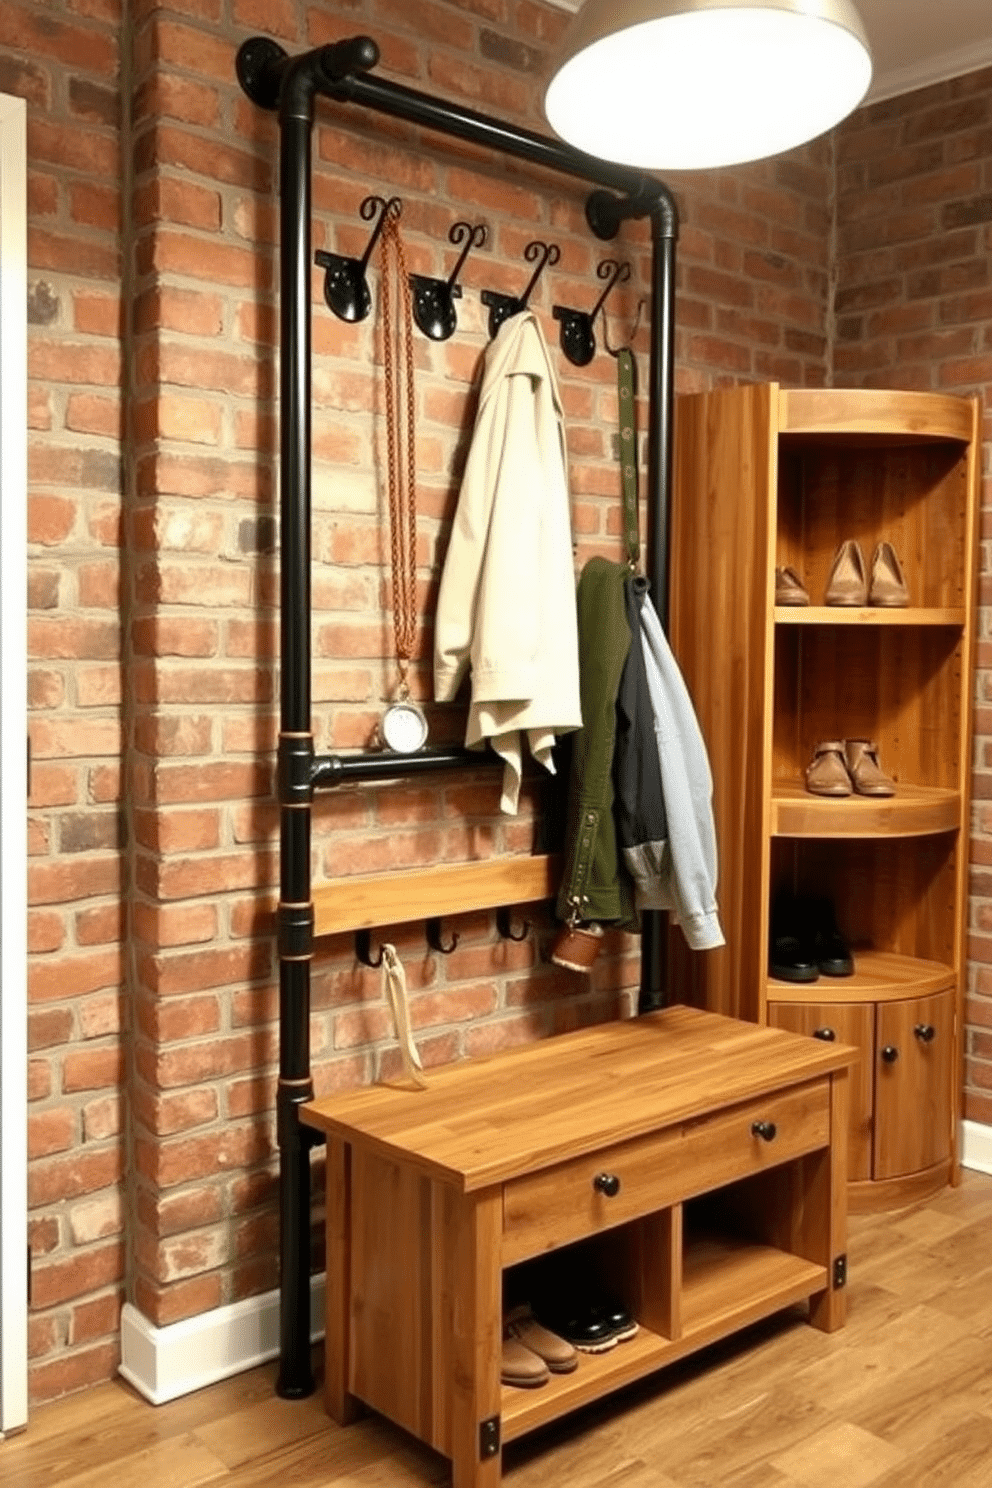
828, 1309
473, 1242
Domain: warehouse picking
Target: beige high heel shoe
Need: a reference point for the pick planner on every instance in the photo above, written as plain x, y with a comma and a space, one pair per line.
887, 587
847, 584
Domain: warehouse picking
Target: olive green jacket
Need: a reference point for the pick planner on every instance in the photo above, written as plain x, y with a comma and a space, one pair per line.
595, 884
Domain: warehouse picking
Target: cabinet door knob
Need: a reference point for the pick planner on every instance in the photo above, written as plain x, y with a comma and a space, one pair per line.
826, 1034
606, 1183
890, 1054
764, 1129
925, 1032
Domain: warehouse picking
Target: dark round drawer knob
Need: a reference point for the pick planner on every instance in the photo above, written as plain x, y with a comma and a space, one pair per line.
606, 1183
764, 1129
890, 1054
826, 1034
925, 1032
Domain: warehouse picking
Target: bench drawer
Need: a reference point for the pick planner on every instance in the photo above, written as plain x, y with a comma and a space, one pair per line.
588, 1194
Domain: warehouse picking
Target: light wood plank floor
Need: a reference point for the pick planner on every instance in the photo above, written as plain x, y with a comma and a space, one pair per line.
900, 1398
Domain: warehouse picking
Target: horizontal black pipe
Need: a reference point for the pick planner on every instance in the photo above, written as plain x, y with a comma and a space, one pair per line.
480, 129
330, 770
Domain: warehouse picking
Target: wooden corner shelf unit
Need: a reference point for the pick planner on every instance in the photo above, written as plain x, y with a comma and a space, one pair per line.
765, 478
696, 1162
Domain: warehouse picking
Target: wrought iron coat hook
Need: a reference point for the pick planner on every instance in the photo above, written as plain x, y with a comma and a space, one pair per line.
504, 924
502, 306
434, 937
578, 341
433, 299
616, 350
363, 949
346, 288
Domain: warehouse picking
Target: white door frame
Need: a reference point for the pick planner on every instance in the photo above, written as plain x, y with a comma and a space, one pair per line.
13, 767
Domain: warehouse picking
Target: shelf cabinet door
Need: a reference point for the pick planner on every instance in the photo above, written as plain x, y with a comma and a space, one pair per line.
914, 1044
851, 1023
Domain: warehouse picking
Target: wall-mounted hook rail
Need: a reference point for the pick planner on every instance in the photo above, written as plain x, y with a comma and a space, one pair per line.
578, 340
433, 299
502, 306
346, 288
363, 949
504, 924
433, 928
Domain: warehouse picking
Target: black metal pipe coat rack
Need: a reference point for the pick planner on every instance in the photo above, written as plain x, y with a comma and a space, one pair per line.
289, 85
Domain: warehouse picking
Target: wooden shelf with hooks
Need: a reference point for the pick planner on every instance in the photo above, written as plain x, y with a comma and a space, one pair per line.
365, 902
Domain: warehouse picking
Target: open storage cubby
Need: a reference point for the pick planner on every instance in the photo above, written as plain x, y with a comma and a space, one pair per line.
788, 476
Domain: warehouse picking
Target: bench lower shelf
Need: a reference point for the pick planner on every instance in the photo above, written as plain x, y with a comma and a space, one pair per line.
727, 1285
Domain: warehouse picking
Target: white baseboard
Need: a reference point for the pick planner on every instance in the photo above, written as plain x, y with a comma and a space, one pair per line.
164, 1363
976, 1146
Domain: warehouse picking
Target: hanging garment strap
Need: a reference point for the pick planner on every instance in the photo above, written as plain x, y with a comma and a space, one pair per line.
628, 455
394, 981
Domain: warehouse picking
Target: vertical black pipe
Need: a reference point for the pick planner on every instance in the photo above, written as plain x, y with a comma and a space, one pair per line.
661, 403
295, 1085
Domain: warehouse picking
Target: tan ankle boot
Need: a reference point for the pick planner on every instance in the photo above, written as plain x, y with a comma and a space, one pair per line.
867, 776
826, 774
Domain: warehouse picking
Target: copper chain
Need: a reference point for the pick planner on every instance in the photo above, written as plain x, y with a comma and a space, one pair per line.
402, 465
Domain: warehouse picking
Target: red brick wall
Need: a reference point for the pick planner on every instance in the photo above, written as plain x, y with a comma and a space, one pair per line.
914, 309
65, 60
154, 591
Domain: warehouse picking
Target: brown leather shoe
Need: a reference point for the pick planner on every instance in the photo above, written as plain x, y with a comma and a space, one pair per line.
557, 1353
887, 586
826, 773
847, 584
521, 1366
789, 587
867, 776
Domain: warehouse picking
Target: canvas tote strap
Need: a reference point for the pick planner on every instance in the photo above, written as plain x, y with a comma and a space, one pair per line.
394, 979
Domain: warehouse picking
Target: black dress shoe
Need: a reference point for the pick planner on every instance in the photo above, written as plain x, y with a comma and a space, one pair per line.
830, 949
791, 959
791, 956
582, 1325
618, 1319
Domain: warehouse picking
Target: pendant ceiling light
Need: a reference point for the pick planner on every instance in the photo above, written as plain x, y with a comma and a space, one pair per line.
688, 84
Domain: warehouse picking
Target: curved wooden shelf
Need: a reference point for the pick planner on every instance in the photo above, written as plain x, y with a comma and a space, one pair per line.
876, 414
879, 976
370, 900
915, 811
870, 616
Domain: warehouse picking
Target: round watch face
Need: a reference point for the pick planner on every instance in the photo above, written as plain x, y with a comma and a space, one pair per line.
404, 728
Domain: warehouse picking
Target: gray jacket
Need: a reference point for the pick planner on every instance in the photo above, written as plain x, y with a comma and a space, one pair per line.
678, 874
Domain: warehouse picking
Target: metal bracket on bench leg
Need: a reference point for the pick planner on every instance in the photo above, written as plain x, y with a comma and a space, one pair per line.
489, 1437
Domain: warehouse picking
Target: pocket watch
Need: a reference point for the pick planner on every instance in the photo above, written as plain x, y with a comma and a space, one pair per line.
404, 727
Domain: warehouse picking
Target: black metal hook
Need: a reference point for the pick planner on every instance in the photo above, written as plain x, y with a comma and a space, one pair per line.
434, 937
578, 340
433, 299
363, 949
346, 288
502, 306
616, 350
504, 924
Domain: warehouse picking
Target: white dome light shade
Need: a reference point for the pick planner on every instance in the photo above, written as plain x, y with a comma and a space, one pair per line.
689, 84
